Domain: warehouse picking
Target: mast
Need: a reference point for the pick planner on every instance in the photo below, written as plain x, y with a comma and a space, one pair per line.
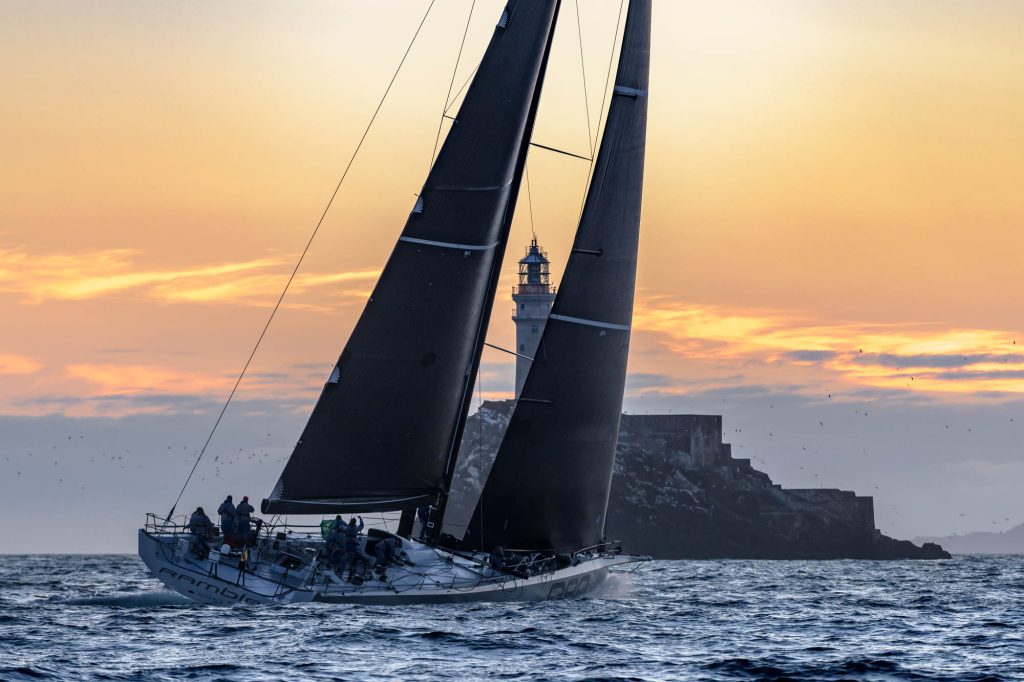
437, 520
548, 487
381, 435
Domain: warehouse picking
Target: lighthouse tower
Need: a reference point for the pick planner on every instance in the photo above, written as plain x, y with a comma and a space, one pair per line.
533, 298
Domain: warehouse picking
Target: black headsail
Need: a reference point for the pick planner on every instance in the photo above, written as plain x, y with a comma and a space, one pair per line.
384, 431
548, 487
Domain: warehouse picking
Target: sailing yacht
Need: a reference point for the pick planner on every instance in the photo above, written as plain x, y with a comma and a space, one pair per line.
385, 432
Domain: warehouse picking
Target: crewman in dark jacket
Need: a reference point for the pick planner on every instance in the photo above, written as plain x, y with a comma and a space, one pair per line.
352, 530
199, 525
496, 559
423, 514
243, 516
389, 551
351, 556
385, 552
227, 517
334, 550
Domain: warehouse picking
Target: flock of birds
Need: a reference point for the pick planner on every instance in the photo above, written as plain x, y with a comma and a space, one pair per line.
223, 463
817, 453
66, 457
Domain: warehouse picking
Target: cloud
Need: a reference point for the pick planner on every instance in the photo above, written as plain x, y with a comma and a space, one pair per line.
37, 278
1013, 375
811, 355
18, 364
638, 380
939, 360
118, 405
144, 351
825, 357
313, 366
137, 379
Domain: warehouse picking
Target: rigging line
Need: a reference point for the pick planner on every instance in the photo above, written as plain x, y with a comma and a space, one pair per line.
302, 256
560, 151
480, 397
510, 352
451, 83
604, 98
583, 69
456, 98
529, 198
608, 75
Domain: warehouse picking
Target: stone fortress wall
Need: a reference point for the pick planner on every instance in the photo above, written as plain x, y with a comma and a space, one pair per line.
696, 442
678, 493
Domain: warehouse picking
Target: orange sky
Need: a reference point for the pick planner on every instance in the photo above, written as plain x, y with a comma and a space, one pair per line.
833, 196
811, 168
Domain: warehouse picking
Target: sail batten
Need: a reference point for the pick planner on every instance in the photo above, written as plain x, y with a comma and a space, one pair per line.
449, 245
548, 487
380, 436
590, 323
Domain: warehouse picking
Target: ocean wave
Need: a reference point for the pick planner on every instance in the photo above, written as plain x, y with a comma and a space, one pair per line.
712, 620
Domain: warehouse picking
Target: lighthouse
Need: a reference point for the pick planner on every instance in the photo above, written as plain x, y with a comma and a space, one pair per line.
533, 297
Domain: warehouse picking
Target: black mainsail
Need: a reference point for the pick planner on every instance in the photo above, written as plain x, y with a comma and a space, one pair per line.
548, 486
385, 430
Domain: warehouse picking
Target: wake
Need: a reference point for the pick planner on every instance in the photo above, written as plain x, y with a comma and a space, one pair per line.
142, 600
618, 585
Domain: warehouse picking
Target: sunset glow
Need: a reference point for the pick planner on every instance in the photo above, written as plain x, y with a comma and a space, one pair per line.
833, 213
965, 362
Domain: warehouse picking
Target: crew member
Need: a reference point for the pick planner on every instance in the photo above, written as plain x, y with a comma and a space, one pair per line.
199, 525
496, 560
352, 530
353, 555
423, 513
385, 552
389, 551
227, 517
243, 516
335, 548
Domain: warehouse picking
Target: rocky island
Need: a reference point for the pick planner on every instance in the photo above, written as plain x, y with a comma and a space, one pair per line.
678, 493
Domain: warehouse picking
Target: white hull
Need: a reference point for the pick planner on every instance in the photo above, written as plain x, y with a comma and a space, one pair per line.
437, 577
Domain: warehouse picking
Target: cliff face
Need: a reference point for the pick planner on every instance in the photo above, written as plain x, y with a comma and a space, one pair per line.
678, 493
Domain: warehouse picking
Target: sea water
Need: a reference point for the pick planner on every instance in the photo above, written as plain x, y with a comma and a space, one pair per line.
105, 617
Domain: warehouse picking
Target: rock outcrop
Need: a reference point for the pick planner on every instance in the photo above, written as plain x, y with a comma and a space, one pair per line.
678, 493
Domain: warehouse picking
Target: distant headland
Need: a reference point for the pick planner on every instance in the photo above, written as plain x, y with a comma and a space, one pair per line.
983, 542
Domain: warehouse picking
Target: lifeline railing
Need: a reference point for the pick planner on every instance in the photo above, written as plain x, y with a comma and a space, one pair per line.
157, 524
